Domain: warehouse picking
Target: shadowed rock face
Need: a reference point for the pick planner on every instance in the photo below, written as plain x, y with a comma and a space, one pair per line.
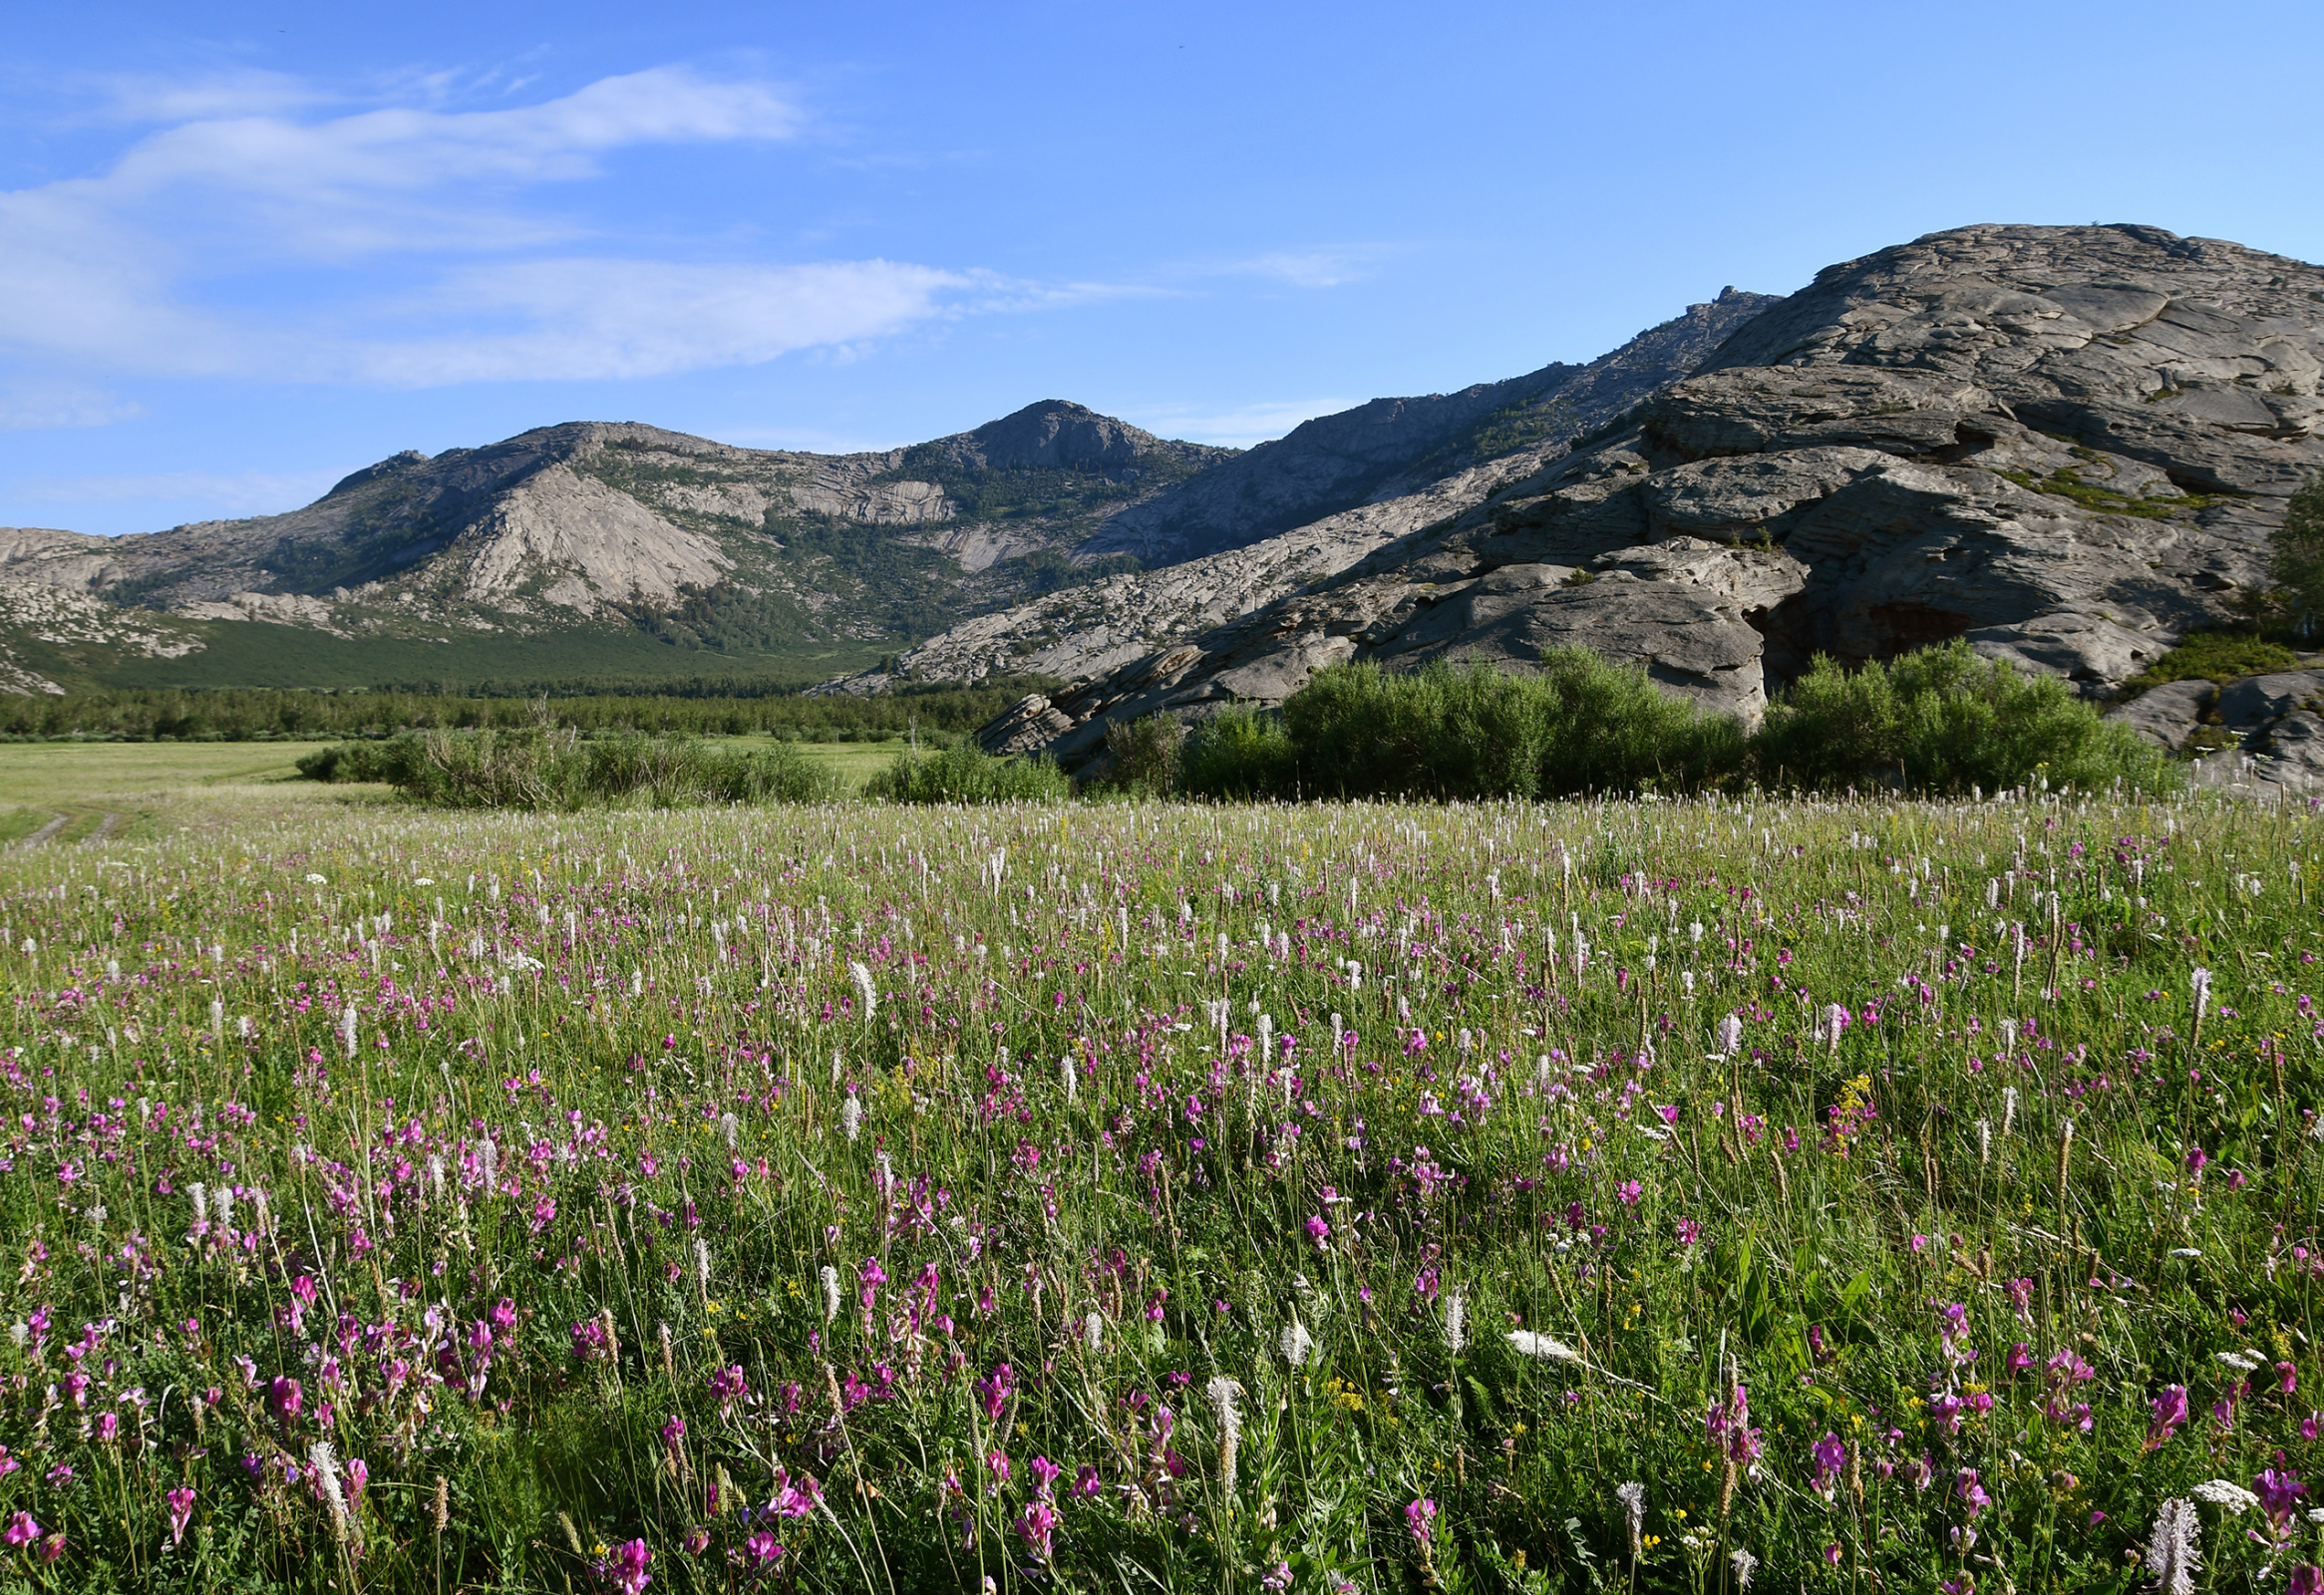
1394, 447
2066, 443
1054, 434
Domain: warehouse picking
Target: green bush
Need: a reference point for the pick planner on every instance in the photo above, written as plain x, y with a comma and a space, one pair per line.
1611, 730
1240, 755
966, 773
1943, 720
2219, 656
382, 760
557, 769
1582, 724
1144, 755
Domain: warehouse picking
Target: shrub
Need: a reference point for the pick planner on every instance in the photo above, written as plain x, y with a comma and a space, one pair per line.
1611, 730
2296, 556
382, 760
1358, 730
535, 770
1943, 720
1581, 725
2221, 656
966, 773
1145, 754
1240, 755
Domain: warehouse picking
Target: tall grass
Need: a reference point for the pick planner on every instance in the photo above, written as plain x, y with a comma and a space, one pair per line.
1493, 1196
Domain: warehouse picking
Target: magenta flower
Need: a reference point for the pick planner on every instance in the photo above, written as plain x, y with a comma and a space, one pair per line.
1320, 1232
993, 1389
284, 1398
1631, 1192
626, 1569
22, 1531
729, 1386
1044, 1474
1971, 1492
1830, 1455
763, 1550
1085, 1481
181, 1503
2279, 1493
1035, 1526
2307, 1579
998, 1463
794, 1497
1417, 1518
2171, 1411
1729, 1427
674, 1432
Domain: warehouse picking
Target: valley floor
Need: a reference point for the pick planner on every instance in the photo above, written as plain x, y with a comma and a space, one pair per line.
1336, 1197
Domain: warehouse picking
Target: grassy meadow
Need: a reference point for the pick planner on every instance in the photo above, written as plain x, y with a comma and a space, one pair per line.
1473, 1198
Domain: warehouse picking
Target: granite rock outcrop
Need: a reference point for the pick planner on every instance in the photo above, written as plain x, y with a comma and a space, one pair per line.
2066, 444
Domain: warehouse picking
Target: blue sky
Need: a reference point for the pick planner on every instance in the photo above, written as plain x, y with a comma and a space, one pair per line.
245, 248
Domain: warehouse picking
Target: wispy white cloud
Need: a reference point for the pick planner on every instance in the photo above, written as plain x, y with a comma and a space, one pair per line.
398, 236
232, 92
1237, 428
112, 268
249, 492
31, 405
1321, 269
584, 318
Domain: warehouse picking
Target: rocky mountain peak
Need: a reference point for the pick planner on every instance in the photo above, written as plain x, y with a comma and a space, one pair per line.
1058, 433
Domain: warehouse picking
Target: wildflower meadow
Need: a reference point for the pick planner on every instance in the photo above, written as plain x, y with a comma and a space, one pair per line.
1705, 1195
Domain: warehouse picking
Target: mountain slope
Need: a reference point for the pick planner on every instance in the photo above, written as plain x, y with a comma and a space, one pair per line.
592, 534
2066, 443
1343, 485
1391, 448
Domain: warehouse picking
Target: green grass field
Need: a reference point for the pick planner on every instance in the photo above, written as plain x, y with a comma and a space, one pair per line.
118, 788
1482, 1197
136, 781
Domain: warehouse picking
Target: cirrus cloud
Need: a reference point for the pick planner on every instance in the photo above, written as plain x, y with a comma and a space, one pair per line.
402, 245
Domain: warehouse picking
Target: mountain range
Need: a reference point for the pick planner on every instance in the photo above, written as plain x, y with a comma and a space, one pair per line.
2069, 444
620, 549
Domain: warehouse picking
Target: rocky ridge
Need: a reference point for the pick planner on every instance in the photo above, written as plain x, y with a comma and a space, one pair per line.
619, 524
1345, 485
2068, 445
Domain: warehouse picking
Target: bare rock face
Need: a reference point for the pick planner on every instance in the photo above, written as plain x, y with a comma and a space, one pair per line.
1393, 449
1057, 432
2067, 445
1258, 527
584, 543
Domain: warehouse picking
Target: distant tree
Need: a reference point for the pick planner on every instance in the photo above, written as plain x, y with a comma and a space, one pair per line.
2297, 557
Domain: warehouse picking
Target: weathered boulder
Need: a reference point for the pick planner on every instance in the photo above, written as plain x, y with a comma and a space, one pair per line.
2169, 715
1025, 725
2253, 702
